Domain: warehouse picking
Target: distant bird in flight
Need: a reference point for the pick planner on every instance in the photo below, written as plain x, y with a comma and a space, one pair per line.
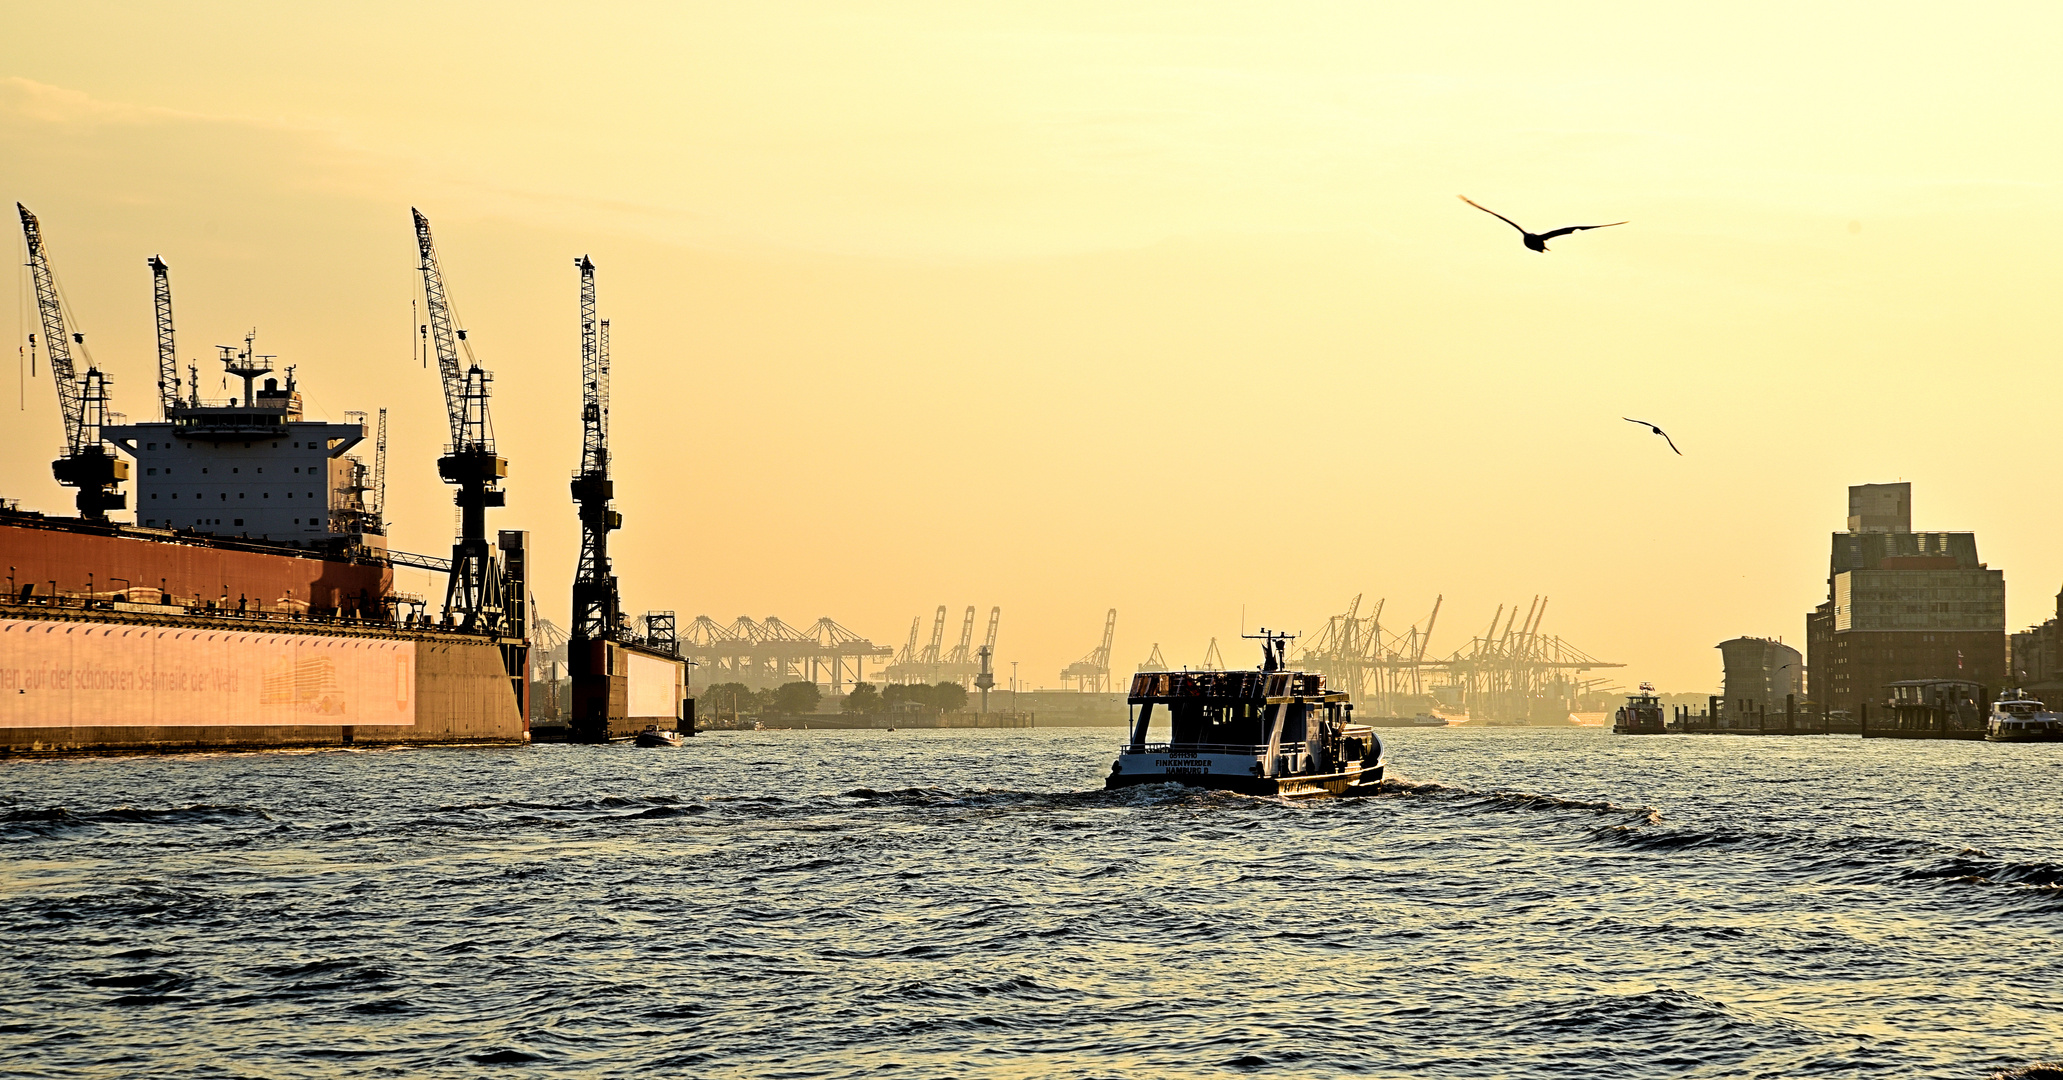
1656, 430
1536, 241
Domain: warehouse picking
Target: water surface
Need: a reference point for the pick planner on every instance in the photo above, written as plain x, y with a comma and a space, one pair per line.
970, 903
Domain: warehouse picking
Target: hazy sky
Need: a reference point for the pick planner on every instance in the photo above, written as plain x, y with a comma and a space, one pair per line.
1168, 307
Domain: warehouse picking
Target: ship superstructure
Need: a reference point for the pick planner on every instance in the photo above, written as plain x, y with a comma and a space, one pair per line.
250, 466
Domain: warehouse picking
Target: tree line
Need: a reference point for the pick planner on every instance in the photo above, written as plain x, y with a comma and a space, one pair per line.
915, 697
802, 698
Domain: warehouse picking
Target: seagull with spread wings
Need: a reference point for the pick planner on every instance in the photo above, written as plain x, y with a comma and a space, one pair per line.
1536, 241
1656, 430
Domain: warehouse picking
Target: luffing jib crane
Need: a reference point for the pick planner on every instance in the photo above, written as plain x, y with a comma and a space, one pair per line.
168, 357
87, 464
597, 608
474, 597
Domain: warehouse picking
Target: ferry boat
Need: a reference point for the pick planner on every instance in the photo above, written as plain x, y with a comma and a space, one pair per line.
1641, 715
2020, 718
1271, 731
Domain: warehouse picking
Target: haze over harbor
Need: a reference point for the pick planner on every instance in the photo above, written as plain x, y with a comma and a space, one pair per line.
1032, 541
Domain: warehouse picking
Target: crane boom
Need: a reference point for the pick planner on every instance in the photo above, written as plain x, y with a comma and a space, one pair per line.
168, 357
57, 344
442, 332
379, 475
995, 621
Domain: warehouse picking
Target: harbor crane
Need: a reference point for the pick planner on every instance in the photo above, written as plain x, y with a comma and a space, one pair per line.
86, 465
379, 477
1092, 672
168, 357
474, 597
597, 607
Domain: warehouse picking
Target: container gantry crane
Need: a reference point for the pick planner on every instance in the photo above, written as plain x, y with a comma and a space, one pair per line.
86, 464
474, 598
1092, 672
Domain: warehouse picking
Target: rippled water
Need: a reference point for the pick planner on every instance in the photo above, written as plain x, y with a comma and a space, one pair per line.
970, 903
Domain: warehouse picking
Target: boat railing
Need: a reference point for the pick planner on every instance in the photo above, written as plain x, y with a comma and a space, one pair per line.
1244, 749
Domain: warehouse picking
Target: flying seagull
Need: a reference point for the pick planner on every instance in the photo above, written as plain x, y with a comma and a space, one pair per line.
1656, 430
1536, 241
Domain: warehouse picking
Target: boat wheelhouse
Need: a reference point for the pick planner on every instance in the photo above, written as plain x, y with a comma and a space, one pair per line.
1270, 731
2017, 717
1641, 715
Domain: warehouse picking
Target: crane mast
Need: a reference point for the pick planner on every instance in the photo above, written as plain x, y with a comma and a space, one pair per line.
597, 607
86, 463
474, 597
168, 357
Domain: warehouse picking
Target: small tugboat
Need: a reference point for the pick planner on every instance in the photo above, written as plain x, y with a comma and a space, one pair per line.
1641, 715
653, 736
2017, 717
1267, 732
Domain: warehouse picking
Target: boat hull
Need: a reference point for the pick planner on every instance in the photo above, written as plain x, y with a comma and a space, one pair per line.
1357, 780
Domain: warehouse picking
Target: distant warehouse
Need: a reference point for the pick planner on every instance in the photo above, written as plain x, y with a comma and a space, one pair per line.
1902, 605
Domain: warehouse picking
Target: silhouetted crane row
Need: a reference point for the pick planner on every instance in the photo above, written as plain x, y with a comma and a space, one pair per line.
770, 653
87, 464
168, 356
931, 664
1091, 674
1512, 673
473, 599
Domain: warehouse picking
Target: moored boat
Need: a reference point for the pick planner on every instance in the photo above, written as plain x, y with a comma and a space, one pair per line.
653, 735
1270, 731
1641, 715
2018, 717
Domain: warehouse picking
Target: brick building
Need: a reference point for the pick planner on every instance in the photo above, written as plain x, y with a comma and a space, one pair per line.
1902, 605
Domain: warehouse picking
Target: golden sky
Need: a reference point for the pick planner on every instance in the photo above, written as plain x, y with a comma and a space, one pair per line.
1168, 307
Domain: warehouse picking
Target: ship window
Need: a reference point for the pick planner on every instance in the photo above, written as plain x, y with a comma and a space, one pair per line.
290, 494
236, 470
239, 494
204, 470
297, 468
150, 446
153, 494
261, 468
268, 495
150, 472
311, 494
297, 521
225, 496
239, 521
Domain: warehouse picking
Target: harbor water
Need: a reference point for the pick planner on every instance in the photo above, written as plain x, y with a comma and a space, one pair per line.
799, 904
